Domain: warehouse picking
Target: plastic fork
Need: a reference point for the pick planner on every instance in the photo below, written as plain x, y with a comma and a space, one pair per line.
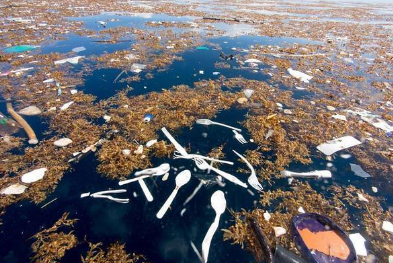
203, 165
239, 137
209, 122
252, 179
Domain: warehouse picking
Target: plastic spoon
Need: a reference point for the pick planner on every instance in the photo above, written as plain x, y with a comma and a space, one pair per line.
157, 171
209, 122
218, 203
181, 179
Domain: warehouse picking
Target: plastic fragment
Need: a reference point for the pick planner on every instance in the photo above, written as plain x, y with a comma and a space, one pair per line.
358, 242
34, 175
342, 143
359, 171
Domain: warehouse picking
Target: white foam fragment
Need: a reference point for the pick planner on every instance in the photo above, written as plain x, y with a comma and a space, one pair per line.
62, 142
359, 171
73, 91
375, 190
267, 216
73, 60
151, 143
301, 210
126, 152
299, 75
279, 231
339, 144
107, 118
387, 226
139, 150
66, 105
253, 60
136, 68
362, 198
30, 111
358, 242
78, 49
339, 117
49, 81
34, 175
390, 259
15, 189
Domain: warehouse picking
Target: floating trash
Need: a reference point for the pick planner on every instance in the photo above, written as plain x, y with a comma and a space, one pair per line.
300, 75
148, 117
22, 48
15, 189
338, 144
73, 60
62, 142
359, 171
34, 175
30, 111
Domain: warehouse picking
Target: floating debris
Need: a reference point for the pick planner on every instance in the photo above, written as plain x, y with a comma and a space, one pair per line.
62, 142
359, 171
299, 75
33, 176
30, 111
338, 144
15, 189
73, 60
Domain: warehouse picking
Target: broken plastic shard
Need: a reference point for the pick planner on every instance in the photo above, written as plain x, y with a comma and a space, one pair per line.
30, 111
279, 231
202, 48
85, 194
362, 198
139, 150
301, 210
66, 105
248, 92
299, 75
359, 171
73, 60
358, 242
107, 118
126, 152
21, 48
267, 216
253, 60
336, 145
14, 189
62, 142
34, 175
136, 68
339, 117
78, 49
313, 174
150, 143
387, 226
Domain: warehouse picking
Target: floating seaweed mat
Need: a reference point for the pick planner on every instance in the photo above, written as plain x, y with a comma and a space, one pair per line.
22, 48
321, 241
8, 126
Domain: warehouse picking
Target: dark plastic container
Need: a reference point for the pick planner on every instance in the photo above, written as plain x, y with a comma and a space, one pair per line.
316, 223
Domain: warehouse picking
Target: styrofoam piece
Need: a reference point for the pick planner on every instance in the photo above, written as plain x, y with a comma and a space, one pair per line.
339, 117
15, 189
73, 60
357, 169
66, 105
358, 242
299, 75
279, 231
34, 175
387, 226
62, 142
339, 144
253, 60
78, 49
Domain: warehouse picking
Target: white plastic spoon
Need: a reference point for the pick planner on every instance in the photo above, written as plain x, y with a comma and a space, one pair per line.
157, 171
218, 203
181, 179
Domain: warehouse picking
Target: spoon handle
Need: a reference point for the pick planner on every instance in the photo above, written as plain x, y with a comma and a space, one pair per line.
145, 190
208, 238
227, 126
167, 203
133, 179
229, 177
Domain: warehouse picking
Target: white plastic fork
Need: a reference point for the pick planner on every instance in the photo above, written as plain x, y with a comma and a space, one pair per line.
239, 137
178, 155
252, 179
209, 122
203, 165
